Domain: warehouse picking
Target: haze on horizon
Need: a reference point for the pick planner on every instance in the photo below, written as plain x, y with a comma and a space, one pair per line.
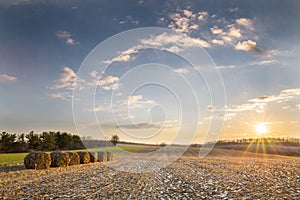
255, 46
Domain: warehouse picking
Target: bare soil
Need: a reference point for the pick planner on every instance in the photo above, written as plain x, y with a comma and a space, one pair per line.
224, 174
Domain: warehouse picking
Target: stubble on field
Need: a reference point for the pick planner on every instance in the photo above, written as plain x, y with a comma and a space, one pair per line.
224, 174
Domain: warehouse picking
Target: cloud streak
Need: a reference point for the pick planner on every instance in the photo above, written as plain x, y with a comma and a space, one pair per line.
65, 84
251, 46
7, 78
66, 36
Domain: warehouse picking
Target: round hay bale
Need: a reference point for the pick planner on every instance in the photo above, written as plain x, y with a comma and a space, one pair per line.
93, 157
109, 155
102, 156
59, 159
37, 160
84, 157
74, 158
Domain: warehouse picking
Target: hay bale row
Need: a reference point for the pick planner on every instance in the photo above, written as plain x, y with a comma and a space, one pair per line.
84, 157
59, 159
41, 160
74, 158
93, 157
37, 160
104, 156
109, 156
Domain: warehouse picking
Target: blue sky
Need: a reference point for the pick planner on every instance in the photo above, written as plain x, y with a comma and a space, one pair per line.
254, 45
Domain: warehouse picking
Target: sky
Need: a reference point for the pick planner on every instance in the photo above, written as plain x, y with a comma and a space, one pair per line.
203, 70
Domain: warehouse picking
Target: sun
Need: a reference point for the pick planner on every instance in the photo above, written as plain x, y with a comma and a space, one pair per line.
261, 129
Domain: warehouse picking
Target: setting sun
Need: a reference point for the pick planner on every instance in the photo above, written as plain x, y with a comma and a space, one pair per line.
261, 129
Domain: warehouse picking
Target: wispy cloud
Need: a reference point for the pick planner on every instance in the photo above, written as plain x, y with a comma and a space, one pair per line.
181, 71
7, 78
156, 125
105, 82
169, 40
61, 95
63, 86
96, 109
247, 23
166, 41
258, 104
185, 21
129, 19
66, 36
219, 42
251, 46
66, 80
137, 101
265, 62
140, 126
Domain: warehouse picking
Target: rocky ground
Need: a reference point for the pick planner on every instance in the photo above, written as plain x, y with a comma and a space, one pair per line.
221, 175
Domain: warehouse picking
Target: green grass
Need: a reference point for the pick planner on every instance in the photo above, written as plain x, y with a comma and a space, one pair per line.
11, 158
15, 158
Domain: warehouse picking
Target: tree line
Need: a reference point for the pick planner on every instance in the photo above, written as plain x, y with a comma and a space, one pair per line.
47, 141
264, 140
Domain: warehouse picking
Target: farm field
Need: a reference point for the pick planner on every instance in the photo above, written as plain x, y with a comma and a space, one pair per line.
223, 174
7, 159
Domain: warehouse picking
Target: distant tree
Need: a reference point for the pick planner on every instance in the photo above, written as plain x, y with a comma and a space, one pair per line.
115, 139
163, 144
76, 142
63, 140
7, 141
48, 142
21, 145
34, 140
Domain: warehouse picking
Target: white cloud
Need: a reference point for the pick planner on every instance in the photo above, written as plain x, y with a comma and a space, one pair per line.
226, 66
185, 21
181, 71
66, 36
202, 16
61, 95
134, 99
105, 82
219, 42
286, 107
225, 36
165, 41
216, 31
234, 32
123, 56
251, 46
108, 82
65, 84
265, 62
180, 24
94, 74
6, 77
96, 109
258, 107
283, 96
66, 80
258, 104
137, 101
248, 45
108, 79
187, 13
232, 9
247, 23
130, 19
180, 41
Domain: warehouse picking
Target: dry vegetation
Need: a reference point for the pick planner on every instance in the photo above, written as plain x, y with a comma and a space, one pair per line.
224, 174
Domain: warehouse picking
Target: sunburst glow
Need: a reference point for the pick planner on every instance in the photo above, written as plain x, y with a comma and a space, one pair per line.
261, 129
